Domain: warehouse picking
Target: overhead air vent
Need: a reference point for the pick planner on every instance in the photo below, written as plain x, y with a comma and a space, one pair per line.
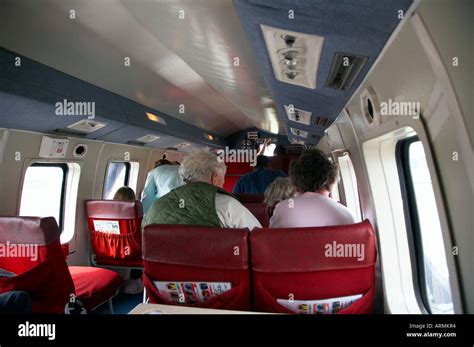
294, 56
67, 132
148, 138
322, 122
298, 132
86, 126
297, 115
344, 70
296, 142
182, 145
135, 143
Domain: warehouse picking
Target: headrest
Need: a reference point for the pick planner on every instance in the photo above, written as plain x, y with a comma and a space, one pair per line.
34, 230
223, 248
313, 249
116, 209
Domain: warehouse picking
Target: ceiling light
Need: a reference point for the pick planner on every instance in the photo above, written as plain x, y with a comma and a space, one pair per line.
155, 118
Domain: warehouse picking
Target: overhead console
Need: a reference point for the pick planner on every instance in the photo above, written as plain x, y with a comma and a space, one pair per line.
38, 98
314, 54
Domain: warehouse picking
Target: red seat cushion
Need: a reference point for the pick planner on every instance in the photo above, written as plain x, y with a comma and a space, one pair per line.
94, 286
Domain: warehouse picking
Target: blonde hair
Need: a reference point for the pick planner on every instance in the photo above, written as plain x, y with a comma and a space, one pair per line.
280, 189
199, 165
125, 193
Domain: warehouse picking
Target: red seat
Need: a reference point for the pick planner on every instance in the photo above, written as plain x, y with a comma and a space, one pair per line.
260, 211
122, 248
94, 293
42, 270
230, 182
299, 264
250, 198
196, 255
234, 172
238, 168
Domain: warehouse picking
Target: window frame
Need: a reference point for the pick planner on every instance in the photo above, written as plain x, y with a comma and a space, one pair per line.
128, 171
343, 193
412, 222
65, 168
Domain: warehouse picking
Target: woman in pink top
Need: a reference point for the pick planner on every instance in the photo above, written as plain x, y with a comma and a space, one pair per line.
313, 176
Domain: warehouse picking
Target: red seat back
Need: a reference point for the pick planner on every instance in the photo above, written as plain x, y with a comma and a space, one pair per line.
260, 211
305, 264
250, 198
34, 254
192, 255
122, 248
234, 172
230, 182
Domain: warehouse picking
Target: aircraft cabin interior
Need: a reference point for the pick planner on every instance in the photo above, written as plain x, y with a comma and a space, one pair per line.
369, 102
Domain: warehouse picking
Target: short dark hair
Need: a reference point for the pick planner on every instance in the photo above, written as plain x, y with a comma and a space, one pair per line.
263, 162
313, 171
163, 162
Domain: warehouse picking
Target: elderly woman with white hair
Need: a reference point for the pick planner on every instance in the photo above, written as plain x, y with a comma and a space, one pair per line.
201, 201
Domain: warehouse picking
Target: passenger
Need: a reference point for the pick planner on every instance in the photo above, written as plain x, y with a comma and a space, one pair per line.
160, 181
201, 201
134, 284
257, 181
313, 176
125, 193
280, 189
15, 302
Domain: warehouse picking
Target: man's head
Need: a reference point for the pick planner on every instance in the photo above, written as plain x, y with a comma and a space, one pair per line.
203, 166
313, 172
263, 162
163, 161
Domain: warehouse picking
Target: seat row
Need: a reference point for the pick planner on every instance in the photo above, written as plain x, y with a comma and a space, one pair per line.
31, 253
287, 270
115, 228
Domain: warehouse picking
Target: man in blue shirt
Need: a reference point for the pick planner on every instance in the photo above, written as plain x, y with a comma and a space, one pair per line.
160, 181
257, 181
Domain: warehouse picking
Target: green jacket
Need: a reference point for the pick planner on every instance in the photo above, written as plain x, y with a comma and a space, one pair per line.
191, 204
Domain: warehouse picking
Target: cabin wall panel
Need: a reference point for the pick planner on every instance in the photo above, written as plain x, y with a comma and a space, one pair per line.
404, 73
93, 171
